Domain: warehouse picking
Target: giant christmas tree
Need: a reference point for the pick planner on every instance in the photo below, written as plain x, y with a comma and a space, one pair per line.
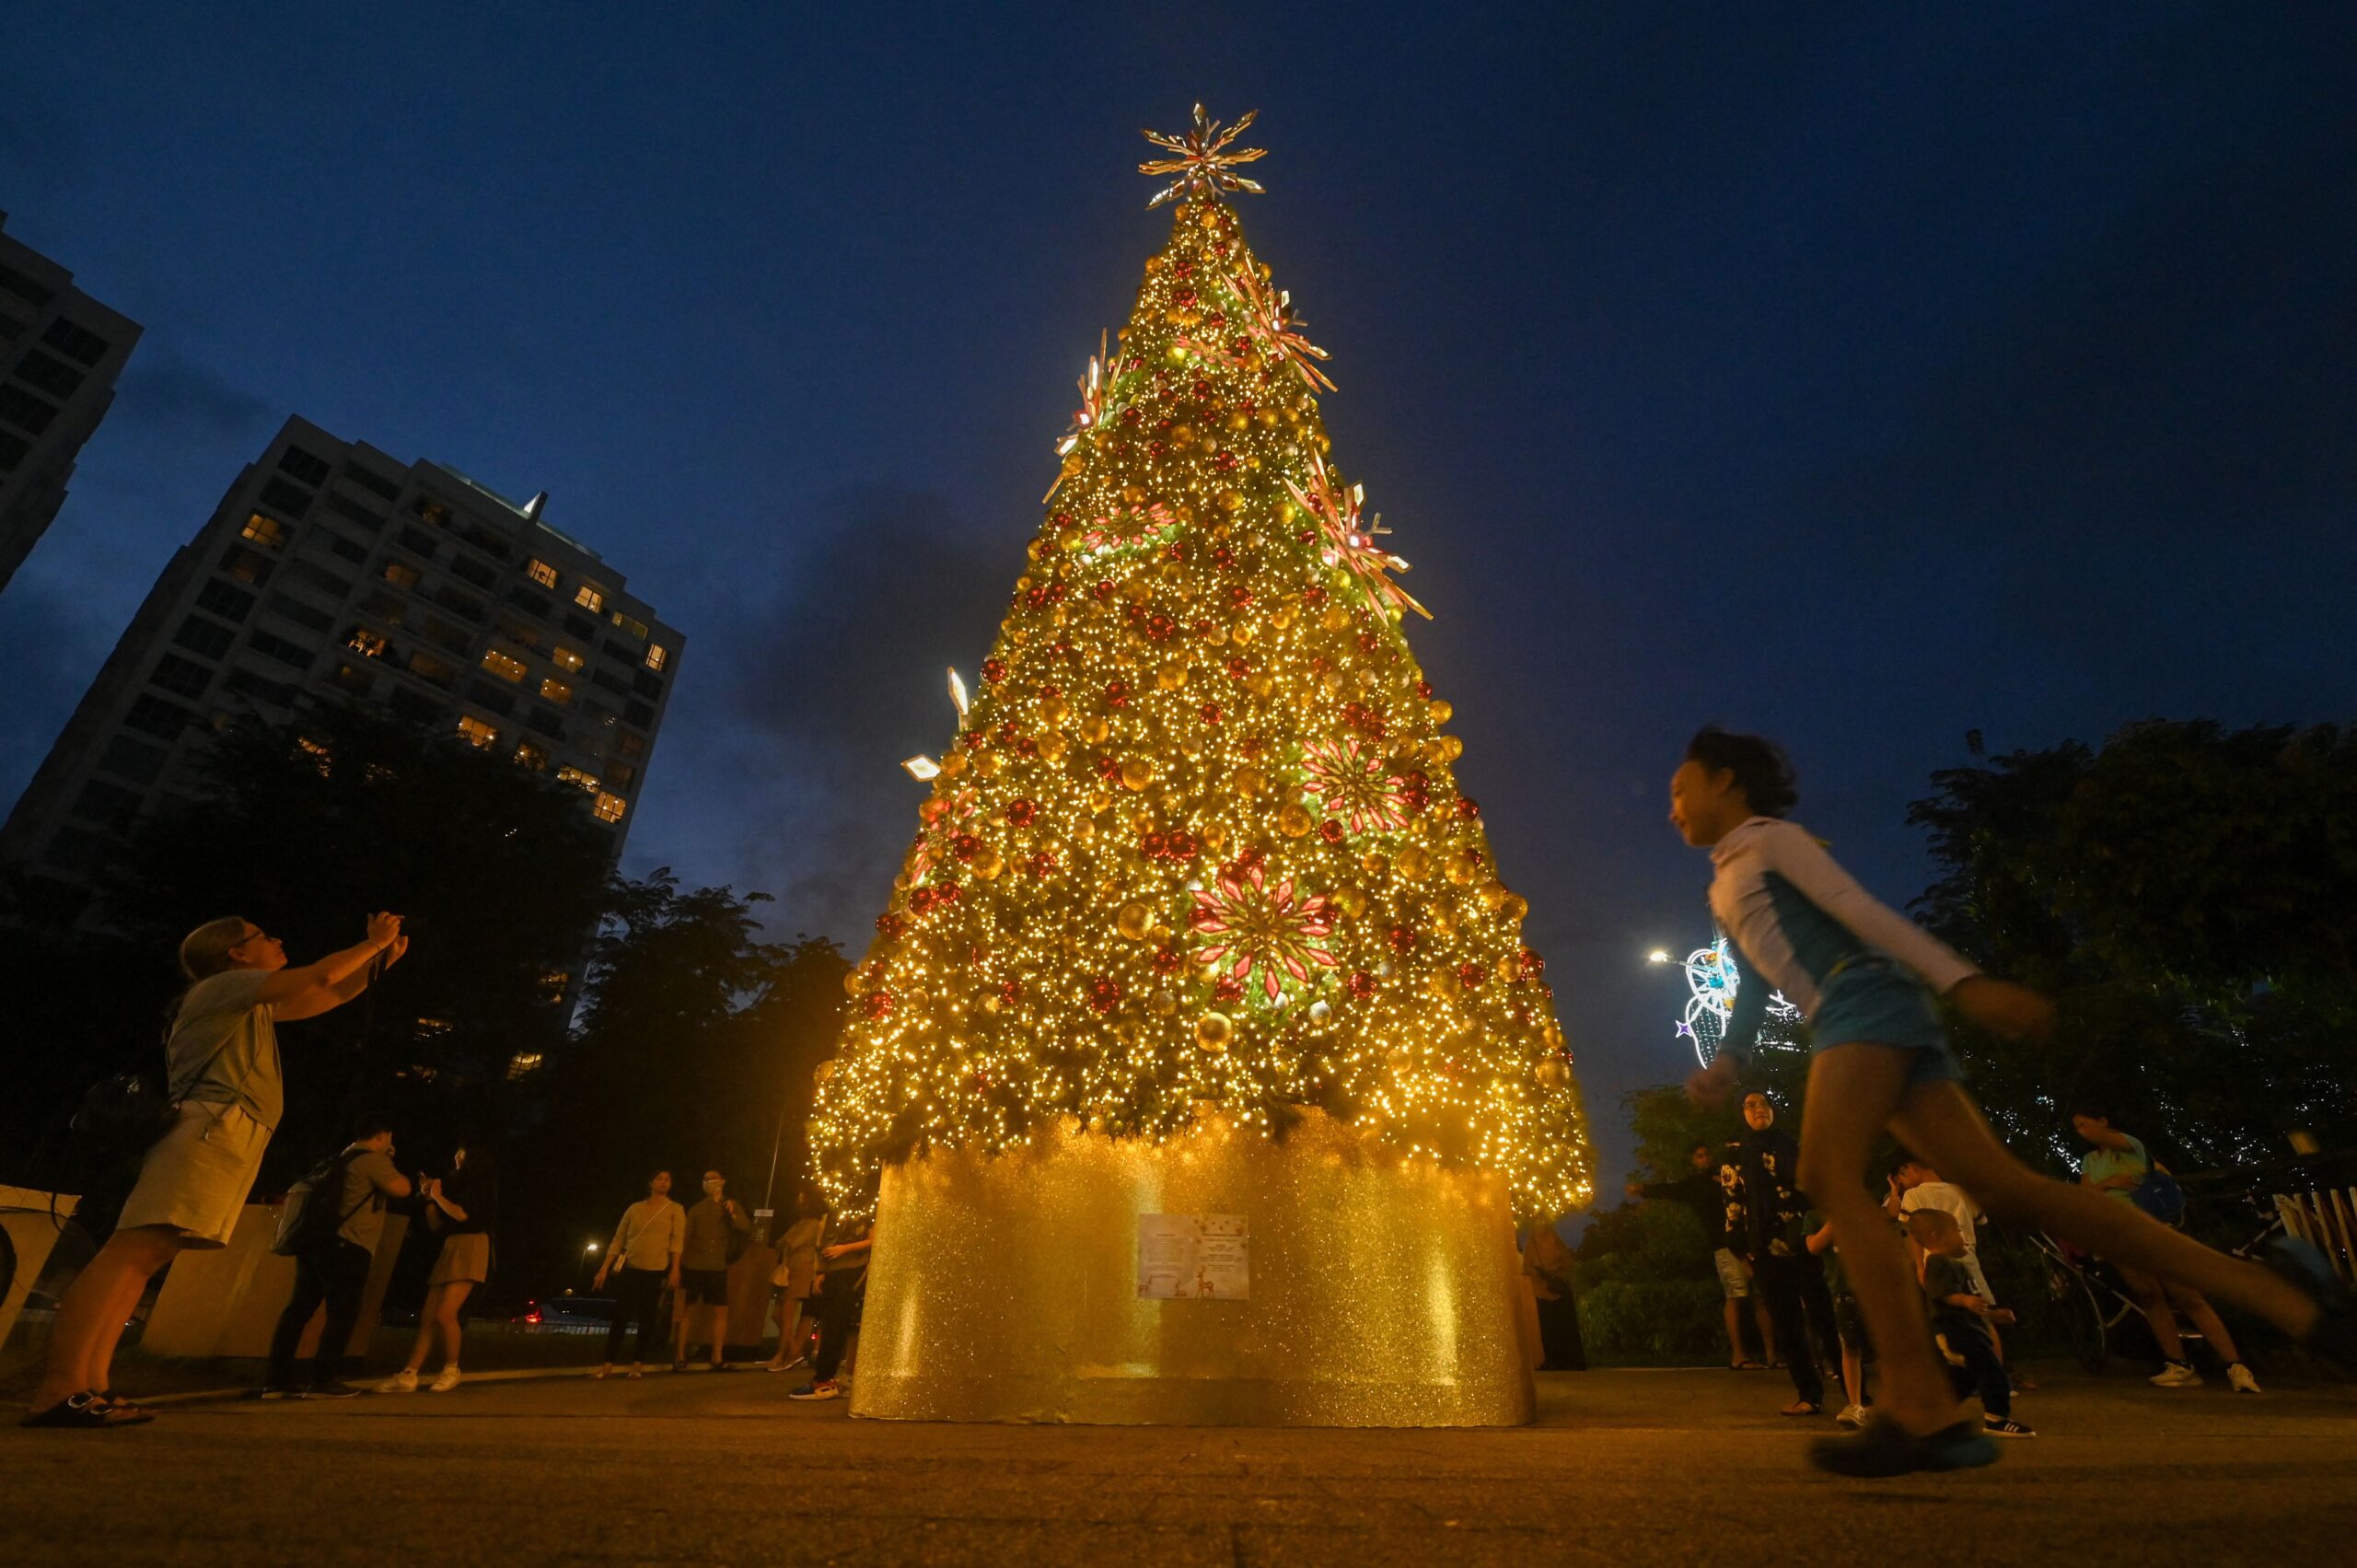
1198, 851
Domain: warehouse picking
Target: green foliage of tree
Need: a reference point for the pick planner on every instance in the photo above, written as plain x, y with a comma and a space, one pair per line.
695, 1049
2185, 894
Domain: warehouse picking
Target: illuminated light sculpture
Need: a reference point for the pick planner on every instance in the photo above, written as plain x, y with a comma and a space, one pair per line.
1712, 978
1198, 921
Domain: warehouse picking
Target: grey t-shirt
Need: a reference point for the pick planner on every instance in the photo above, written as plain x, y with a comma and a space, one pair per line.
224, 1047
366, 1180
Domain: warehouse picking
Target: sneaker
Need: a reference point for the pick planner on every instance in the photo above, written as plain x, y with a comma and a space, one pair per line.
446, 1381
2175, 1375
333, 1388
827, 1390
2239, 1379
266, 1394
2000, 1426
678, 1366
1852, 1416
785, 1366
86, 1411
1884, 1449
401, 1382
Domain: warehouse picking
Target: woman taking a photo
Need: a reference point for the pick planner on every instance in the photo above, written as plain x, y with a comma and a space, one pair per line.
461, 1206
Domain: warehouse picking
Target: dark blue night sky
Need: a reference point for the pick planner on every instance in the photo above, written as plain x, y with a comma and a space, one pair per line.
1863, 374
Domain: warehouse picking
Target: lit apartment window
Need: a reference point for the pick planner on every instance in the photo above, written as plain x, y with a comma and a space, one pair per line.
611, 806
503, 666
402, 575
364, 641
655, 656
267, 531
555, 690
321, 757
572, 775
477, 731
534, 757
634, 628
541, 573
565, 659
523, 1064
552, 984
589, 598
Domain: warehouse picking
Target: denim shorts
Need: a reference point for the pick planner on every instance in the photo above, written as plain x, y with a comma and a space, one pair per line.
1875, 1000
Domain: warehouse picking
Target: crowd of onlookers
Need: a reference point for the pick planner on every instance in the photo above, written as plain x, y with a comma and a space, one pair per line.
1775, 1250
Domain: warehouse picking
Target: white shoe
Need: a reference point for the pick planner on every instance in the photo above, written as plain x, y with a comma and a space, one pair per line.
2239, 1379
401, 1382
1852, 1416
2177, 1375
446, 1381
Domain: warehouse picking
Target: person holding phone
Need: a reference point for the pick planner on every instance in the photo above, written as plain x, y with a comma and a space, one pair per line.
461, 1206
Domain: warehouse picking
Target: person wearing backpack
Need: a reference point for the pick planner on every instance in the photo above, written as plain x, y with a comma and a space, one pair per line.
718, 1231
2118, 1165
332, 1264
224, 1087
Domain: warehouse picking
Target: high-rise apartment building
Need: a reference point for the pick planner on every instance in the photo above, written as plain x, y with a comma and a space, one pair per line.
334, 569
60, 353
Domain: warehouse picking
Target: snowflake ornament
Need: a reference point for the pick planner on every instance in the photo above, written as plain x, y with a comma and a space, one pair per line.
1267, 929
1268, 316
1355, 785
1351, 536
1204, 166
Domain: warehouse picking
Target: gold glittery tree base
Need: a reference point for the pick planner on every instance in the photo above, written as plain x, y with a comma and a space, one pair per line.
1004, 1288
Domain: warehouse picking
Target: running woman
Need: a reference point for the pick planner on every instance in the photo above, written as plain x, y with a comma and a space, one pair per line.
1867, 977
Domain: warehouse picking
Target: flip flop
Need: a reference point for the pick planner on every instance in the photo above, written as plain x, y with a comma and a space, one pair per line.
85, 1413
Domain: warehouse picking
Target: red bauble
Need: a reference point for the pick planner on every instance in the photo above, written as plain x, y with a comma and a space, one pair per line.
1228, 990
1104, 993
1021, 810
1471, 975
1467, 808
1330, 830
878, 1003
889, 925
1362, 984
1402, 938
994, 670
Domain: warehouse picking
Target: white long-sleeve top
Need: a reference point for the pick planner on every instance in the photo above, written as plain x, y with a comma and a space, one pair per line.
653, 1232
1797, 916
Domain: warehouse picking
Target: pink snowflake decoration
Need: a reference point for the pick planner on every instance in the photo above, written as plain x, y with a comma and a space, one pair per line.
1351, 536
1126, 525
1266, 929
1355, 785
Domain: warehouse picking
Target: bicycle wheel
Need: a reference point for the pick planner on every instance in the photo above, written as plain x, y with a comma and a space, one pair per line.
2077, 1316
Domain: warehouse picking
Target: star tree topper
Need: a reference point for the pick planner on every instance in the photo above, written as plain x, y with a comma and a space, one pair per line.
1204, 166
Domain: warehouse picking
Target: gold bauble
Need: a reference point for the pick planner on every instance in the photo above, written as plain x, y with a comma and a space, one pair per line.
1137, 773
1462, 869
1171, 676
1134, 921
1281, 617
1214, 633
1515, 908
1373, 864
1054, 710
988, 864
1268, 418
1493, 895
1352, 901
1552, 1035
1231, 500
1098, 800
853, 982
1552, 1072
1443, 983
1263, 686
1214, 836
1451, 748
1181, 434
953, 764
1335, 617
1508, 968
1237, 422
1294, 821
1412, 862
1095, 728
1440, 921
986, 764
1398, 1058
1330, 682
1240, 634
1247, 780
824, 1071
1212, 1031
1137, 590
1163, 1003
1053, 746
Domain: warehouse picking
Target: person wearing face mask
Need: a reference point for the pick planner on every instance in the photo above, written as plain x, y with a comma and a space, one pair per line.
718, 1228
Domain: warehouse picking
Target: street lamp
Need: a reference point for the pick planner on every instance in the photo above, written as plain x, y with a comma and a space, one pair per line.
1657, 957
579, 1268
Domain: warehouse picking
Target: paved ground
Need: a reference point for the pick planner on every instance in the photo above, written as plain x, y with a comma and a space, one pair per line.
1623, 1467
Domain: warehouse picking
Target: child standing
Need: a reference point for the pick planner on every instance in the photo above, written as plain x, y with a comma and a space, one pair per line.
1961, 1319
1848, 1322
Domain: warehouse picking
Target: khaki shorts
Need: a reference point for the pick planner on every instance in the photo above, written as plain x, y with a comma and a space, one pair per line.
466, 1256
197, 1178
1735, 1275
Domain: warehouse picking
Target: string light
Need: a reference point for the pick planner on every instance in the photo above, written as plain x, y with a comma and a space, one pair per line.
1199, 844
1713, 979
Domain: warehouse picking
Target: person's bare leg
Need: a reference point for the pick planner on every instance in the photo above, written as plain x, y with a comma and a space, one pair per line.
90, 1319
1853, 1090
1940, 1121
788, 1341
2154, 1298
454, 1296
429, 1317
1853, 1375
2206, 1322
1735, 1332
718, 1325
